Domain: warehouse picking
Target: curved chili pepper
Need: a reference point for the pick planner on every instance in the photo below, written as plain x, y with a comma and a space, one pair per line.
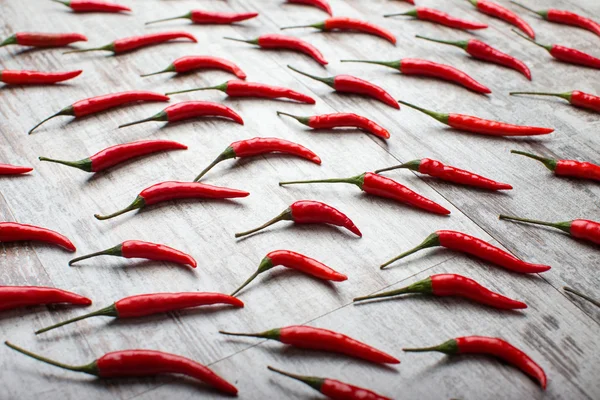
93, 6
16, 232
451, 174
494, 347
468, 244
349, 24
352, 84
322, 4
583, 296
275, 41
143, 305
567, 54
307, 337
483, 51
96, 104
7, 169
37, 39
332, 388
338, 120
566, 18
258, 146
191, 63
140, 249
415, 66
297, 261
191, 109
576, 97
237, 88
570, 168
22, 296
578, 228
453, 285
119, 153
130, 363
439, 17
172, 190
383, 187
21, 77
210, 17
497, 11
482, 126
309, 212
135, 42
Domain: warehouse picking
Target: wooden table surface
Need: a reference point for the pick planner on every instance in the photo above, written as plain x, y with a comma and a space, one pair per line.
558, 331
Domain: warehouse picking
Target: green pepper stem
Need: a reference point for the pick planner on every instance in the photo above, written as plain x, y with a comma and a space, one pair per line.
254, 275
462, 44
423, 286
255, 41
583, 296
65, 3
443, 118
412, 165
302, 120
391, 64
257, 335
284, 216
329, 81
566, 96
312, 381
411, 13
225, 155
107, 47
85, 164
448, 347
188, 16
332, 180
525, 7
563, 226
170, 68
298, 26
548, 162
137, 203
91, 368
113, 251
547, 47
430, 241
157, 117
191, 90
40, 123
110, 311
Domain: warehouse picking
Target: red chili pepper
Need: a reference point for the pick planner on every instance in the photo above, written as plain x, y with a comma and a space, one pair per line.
237, 88
96, 104
258, 146
583, 296
415, 66
129, 363
275, 41
578, 228
172, 190
497, 11
383, 187
567, 54
135, 42
349, 24
22, 296
309, 212
7, 169
140, 249
482, 126
114, 155
468, 244
570, 168
155, 303
566, 18
451, 174
493, 347
439, 17
453, 285
334, 389
577, 98
322, 4
307, 337
338, 120
93, 6
191, 63
35, 77
483, 51
191, 109
16, 232
37, 39
211, 17
297, 261
352, 84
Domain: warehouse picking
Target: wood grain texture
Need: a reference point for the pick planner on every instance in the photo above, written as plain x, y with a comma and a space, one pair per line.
559, 331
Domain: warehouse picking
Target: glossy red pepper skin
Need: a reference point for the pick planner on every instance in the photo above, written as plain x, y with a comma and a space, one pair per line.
297, 261
578, 228
7, 169
22, 296
211, 17
566, 18
439, 17
576, 97
131, 43
496, 10
350, 24
276, 41
453, 285
172, 190
570, 168
38, 39
463, 243
340, 120
493, 347
322, 4
93, 6
192, 63
16, 232
21, 77
140, 363
147, 250
119, 153
574, 56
